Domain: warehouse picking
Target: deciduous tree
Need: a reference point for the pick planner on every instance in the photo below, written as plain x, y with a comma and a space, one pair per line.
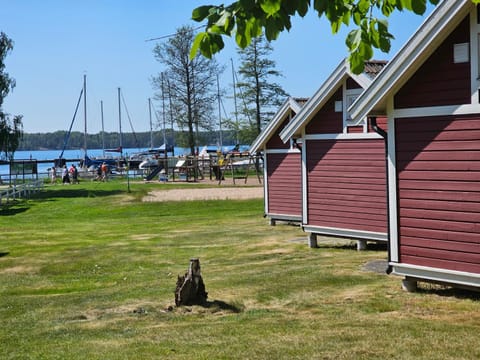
192, 83
10, 128
247, 19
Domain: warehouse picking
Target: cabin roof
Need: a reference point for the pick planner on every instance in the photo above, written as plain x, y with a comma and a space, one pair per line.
290, 103
445, 17
326, 90
373, 67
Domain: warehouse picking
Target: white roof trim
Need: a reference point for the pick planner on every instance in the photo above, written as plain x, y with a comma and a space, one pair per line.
321, 96
447, 15
272, 126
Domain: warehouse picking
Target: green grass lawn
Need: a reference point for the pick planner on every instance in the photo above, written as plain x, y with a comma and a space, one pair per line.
89, 271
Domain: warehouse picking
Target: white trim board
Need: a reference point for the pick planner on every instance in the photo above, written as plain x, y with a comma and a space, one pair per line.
346, 233
352, 136
436, 274
466, 109
282, 151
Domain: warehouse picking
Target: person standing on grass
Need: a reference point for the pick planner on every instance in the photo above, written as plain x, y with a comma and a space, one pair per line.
54, 175
65, 177
74, 172
104, 172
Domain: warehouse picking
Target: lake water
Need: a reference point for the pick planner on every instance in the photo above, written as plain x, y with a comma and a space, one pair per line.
78, 154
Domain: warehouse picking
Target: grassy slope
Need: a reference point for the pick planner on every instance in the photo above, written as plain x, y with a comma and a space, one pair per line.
88, 272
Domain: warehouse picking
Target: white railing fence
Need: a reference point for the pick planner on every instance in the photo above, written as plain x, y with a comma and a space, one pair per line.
23, 190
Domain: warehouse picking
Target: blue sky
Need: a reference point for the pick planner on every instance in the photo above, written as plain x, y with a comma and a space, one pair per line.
58, 41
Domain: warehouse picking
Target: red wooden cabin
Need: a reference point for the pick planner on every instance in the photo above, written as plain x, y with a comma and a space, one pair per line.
430, 94
343, 162
282, 166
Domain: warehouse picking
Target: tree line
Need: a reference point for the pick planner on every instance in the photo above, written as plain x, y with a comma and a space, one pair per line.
57, 140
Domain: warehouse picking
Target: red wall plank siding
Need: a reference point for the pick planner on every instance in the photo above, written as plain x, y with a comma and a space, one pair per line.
346, 184
284, 176
438, 167
275, 142
355, 129
382, 123
326, 120
439, 81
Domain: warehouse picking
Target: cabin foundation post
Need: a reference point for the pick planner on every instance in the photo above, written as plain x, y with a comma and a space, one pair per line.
273, 222
409, 284
312, 240
361, 245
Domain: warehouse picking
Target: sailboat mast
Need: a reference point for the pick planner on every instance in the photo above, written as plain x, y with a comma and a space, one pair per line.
171, 115
85, 112
150, 117
219, 113
103, 128
164, 122
235, 100
120, 121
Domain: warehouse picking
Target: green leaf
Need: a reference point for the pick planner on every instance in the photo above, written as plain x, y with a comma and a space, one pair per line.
346, 18
302, 7
201, 12
353, 39
242, 36
384, 36
271, 7
271, 29
320, 6
255, 27
224, 19
336, 25
405, 4
389, 6
196, 44
419, 6
357, 63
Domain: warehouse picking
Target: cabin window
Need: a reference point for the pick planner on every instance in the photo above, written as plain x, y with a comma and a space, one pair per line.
478, 62
338, 106
351, 96
460, 53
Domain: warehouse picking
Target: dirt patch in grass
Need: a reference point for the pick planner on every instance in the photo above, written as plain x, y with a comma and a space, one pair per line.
220, 193
19, 269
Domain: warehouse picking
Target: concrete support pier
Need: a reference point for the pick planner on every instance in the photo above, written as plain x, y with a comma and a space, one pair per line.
361, 245
312, 240
409, 285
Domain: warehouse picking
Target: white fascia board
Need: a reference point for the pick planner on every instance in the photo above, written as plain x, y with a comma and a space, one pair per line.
279, 117
362, 79
444, 18
315, 102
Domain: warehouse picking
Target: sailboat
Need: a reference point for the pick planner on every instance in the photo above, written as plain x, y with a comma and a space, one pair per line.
87, 161
149, 158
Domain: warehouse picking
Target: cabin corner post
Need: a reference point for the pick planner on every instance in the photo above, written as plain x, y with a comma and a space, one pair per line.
303, 161
384, 135
265, 181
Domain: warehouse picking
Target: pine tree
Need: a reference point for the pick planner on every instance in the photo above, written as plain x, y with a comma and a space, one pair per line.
260, 96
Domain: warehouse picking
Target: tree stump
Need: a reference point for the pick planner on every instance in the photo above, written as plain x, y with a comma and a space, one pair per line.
190, 288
